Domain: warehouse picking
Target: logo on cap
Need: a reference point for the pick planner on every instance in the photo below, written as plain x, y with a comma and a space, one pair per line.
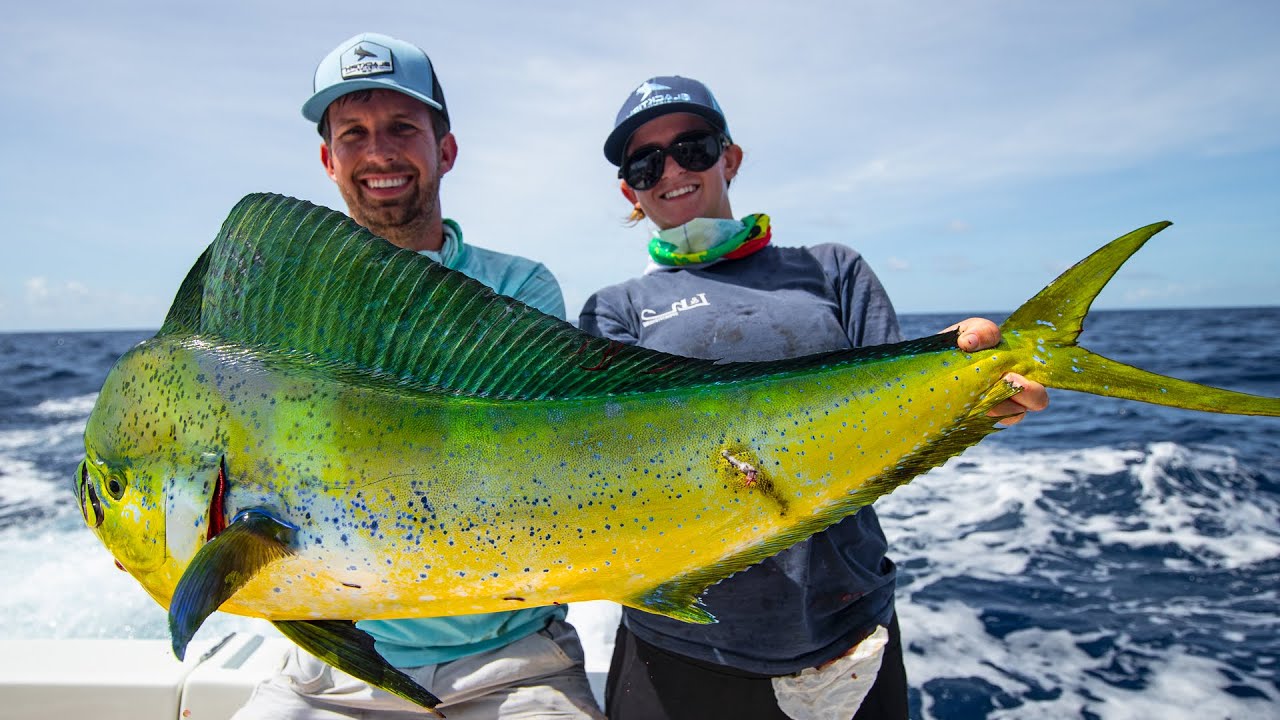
646, 89
365, 59
648, 99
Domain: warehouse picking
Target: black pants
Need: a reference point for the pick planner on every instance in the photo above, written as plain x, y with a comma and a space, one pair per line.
647, 683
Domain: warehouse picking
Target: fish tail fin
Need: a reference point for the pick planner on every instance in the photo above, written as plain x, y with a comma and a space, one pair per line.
1048, 325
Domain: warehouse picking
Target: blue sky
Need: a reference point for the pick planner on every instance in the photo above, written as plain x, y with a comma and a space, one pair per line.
971, 151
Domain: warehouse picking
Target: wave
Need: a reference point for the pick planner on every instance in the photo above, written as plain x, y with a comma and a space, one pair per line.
77, 407
1094, 582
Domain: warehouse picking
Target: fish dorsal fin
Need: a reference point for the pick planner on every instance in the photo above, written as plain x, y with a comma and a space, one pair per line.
290, 276
184, 314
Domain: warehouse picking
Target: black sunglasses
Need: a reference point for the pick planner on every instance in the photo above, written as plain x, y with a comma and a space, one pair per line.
696, 151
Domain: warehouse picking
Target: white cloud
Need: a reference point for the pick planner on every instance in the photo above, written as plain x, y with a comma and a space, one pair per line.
71, 304
1163, 294
39, 290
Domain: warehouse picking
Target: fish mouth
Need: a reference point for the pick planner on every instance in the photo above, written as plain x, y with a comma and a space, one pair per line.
87, 497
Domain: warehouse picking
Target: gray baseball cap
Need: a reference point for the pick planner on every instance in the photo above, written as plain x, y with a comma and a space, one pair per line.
370, 61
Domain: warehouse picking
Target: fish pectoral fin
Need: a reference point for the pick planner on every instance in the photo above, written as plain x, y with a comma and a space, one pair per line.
253, 540
344, 646
676, 599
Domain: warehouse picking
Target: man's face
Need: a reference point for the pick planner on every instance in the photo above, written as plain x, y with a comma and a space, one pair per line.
383, 154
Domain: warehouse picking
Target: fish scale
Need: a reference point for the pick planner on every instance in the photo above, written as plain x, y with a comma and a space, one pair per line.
466, 461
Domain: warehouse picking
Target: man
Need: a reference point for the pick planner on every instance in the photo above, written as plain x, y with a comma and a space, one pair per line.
386, 143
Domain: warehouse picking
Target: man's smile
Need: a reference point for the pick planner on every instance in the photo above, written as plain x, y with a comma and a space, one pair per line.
384, 182
385, 187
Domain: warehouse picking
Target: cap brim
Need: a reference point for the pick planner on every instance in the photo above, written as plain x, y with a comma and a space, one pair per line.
616, 144
313, 109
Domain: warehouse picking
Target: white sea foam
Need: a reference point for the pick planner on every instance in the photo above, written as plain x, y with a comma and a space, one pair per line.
1244, 518
26, 485
986, 516
66, 585
72, 407
18, 440
1063, 677
21, 483
943, 515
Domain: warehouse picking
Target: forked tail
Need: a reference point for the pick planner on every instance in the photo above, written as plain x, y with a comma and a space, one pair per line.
1049, 324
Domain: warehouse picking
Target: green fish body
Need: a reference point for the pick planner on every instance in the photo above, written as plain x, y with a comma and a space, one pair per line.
329, 428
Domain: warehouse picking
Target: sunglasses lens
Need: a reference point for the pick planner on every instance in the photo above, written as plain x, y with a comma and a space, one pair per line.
695, 151
644, 169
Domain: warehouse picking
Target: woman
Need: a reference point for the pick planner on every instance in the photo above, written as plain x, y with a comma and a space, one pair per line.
810, 632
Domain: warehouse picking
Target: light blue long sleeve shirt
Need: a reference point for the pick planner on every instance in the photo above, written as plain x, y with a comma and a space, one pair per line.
413, 642
525, 280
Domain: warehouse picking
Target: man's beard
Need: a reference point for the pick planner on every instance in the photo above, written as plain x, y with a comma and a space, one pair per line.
404, 221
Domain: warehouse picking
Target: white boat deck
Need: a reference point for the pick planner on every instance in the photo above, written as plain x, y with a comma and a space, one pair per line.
141, 679
133, 679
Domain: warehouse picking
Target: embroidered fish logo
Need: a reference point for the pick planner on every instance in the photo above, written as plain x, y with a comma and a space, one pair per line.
647, 88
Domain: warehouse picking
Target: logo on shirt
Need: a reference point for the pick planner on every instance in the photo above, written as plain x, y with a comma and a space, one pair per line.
649, 317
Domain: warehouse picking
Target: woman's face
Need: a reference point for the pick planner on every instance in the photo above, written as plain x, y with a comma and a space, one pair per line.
682, 195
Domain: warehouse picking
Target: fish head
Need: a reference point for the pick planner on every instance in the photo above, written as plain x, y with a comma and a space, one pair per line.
153, 443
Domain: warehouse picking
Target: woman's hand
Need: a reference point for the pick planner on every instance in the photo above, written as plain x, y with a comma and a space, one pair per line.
980, 334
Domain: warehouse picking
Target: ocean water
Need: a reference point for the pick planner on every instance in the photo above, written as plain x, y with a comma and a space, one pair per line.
1104, 559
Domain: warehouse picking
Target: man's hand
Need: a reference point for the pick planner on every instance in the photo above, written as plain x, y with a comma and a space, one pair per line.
980, 334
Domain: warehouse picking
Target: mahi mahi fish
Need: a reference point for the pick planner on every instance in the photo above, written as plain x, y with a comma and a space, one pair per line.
328, 428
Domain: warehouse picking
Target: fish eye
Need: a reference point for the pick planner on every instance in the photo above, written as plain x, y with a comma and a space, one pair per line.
115, 488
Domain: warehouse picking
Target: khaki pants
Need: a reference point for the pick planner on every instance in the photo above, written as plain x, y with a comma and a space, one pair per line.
538, 676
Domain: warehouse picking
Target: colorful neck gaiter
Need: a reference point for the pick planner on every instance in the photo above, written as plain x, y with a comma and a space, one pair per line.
703, 240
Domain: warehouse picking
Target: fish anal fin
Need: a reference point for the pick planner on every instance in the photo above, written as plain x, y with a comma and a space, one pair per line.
675, 599
344, 646
253, 540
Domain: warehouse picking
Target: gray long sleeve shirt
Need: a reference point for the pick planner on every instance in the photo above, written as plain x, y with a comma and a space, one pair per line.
814, 600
